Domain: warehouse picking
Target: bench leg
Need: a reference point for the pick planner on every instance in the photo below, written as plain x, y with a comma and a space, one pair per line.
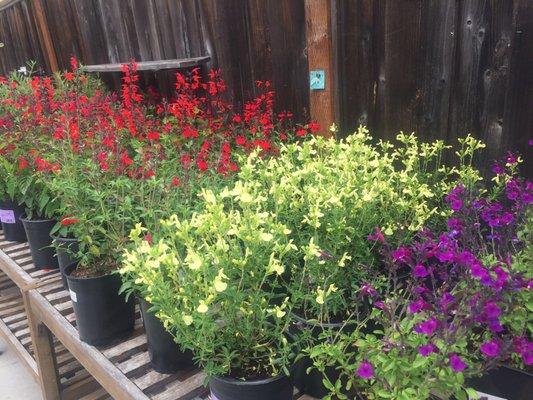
43, 349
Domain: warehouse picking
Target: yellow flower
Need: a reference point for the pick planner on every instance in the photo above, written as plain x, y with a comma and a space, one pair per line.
193, 260
187, 319
202, 307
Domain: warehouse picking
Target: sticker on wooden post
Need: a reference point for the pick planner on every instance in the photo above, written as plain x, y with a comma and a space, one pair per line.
317, 79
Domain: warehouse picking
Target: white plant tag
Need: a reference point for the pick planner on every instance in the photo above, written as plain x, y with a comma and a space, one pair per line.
7, 216
73, 296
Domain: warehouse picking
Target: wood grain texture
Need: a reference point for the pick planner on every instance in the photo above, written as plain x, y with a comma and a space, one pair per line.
440, 68
320, 57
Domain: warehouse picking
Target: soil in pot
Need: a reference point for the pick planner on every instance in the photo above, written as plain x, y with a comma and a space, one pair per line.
10, 214
165, 354
38, 234
65, 248
276, 388
102, 314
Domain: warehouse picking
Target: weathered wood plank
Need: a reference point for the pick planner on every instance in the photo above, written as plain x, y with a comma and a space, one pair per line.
156, 65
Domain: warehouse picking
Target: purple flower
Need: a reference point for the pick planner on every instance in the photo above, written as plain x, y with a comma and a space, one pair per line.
416, 306
511, 158
420, 271
490, 349
495, 326
377, 236
446, 256
368, 290
492, 310
456, 363
445, 300
524, 347
402, 254
365, 370
454, 198
379, 304
427, 327
497, 169
512, 189
427, 349
455, 224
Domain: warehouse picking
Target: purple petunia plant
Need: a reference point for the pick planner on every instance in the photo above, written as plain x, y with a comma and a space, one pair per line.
458, 302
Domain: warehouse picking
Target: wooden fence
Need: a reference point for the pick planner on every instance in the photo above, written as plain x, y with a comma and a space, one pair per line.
442, 68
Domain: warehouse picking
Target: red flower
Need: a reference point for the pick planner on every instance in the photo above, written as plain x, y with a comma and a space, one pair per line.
301, 132
202, 164
126, 160
153, 135
175, 181
73, 63
68, 221
23, 163
240, 140
186, 159
314, 127
69, 76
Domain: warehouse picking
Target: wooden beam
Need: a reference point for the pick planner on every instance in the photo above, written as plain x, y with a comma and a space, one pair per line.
150, 65
103, 370
43, 350
320, 57
44, 35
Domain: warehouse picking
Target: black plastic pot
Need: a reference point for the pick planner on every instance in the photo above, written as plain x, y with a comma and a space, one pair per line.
165, 354
505, 382
102, 315
11, 223
276, 388
65, 249
38, 234
311, 383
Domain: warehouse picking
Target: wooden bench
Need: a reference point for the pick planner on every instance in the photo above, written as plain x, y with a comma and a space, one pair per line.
123, 369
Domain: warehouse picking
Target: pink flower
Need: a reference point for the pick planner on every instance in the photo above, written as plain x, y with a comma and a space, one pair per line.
365, 370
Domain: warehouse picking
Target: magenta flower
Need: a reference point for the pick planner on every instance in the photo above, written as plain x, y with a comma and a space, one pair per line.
427, 327
490, 349
365, 370
402, 254
420, 271
377, 236
445, 300
368, 290
416, 306
492, 311
456, 363
427, 349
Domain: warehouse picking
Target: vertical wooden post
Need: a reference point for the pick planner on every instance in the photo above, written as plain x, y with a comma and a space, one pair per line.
44, 35
320, 57
43, 350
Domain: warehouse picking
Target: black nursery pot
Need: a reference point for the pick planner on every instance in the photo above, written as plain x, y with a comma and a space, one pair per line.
65, 248
311, 383
11, 223
38, 234
165, 354
276, 388
102, 314
504, 382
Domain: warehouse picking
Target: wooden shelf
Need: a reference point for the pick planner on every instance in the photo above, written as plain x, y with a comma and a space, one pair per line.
123, 369
74, 381
150, 65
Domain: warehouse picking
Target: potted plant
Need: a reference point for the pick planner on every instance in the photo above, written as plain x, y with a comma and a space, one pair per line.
463, 311
332, 195
214, 279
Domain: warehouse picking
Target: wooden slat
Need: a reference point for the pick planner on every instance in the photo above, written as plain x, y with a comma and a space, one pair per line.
151, 65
